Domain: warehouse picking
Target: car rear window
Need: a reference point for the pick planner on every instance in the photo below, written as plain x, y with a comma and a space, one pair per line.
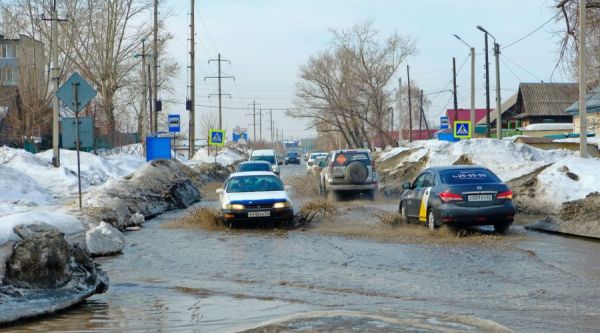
254, 184
245, 167
292, 154
268, 158
347, 157
469, 176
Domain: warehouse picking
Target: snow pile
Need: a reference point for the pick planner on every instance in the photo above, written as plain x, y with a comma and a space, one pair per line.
63, 222
29, 183
104, 239
226, 157
508, 160
548, 127
566, 177
572, 178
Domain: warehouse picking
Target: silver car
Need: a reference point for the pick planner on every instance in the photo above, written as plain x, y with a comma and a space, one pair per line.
349, 171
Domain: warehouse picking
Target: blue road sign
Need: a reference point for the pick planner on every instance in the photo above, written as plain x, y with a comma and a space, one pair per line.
444, 122
462, 129
216, 137
69, 132
174, 123
85, 92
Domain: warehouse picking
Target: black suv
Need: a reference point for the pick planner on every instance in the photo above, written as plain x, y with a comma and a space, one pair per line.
292, 157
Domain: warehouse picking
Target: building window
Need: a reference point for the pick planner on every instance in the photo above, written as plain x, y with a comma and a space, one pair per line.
9, 76
8, 51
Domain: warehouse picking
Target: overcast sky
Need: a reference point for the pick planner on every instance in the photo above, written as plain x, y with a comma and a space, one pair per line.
267, 40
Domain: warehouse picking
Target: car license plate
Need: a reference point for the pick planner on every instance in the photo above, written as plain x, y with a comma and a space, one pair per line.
480, 197
264, 213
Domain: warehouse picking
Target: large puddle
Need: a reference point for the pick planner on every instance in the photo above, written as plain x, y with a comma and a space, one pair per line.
347, 272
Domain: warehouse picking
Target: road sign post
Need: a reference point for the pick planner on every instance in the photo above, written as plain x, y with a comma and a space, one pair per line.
174, 127
76, 93
462, 129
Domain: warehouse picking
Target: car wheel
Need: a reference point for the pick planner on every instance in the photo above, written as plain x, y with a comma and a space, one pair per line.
402, 211
431, 222
502, 228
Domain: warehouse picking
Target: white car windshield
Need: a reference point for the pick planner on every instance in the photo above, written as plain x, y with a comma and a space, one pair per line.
254, 184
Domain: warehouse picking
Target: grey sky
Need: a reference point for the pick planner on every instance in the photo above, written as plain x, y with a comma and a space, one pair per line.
267, 41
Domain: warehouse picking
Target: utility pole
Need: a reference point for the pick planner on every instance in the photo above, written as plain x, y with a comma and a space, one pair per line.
454, 84
155, 69
220, 93
472, 113
271, 125
487, 89
254, 119
472, 49
420, 112
400, 110
55, 83
498, 98
260, 123
410, 137
150, 90
582, 81
192, 107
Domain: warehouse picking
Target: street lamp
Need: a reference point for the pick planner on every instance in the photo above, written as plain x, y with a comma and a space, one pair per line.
487, 80
472, 113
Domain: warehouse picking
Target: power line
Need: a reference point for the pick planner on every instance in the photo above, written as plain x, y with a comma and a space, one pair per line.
521, 67
532, 32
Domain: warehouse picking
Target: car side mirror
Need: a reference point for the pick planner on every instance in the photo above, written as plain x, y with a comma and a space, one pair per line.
220, 191
406, 186
288, 188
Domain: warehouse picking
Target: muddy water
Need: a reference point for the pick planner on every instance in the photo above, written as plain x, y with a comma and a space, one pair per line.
347, 273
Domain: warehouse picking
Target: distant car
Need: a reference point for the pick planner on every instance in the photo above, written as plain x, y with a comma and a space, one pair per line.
460, 196
268, 155
349, 171
249, 166
254, 197
318, 165
311, 160
292, 157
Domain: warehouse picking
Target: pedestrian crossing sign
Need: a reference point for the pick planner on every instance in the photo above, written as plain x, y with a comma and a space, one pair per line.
462, 129
216, 137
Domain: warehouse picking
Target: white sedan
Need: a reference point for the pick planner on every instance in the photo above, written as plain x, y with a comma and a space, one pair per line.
255, 197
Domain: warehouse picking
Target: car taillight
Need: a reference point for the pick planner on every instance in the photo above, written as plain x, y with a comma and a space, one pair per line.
373, 164
447, 197
505, 195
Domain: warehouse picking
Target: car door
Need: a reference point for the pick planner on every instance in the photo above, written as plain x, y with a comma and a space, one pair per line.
425, 192
413, 196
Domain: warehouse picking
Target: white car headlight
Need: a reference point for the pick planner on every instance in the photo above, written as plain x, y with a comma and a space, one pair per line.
234, 206
283, 204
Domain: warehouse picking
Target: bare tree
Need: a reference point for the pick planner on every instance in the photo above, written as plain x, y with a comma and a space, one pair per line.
569, 44
345, 89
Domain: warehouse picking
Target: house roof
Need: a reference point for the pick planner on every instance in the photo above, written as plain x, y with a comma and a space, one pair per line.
545, 99
505, 106
592, 103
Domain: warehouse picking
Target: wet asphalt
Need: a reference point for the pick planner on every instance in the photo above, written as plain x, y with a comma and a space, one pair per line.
347, 274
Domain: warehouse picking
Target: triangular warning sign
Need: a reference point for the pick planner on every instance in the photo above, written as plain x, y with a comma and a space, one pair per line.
216, 137
462, 130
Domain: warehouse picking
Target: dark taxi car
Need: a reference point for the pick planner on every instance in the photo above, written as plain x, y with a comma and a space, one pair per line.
292, 157
459, 196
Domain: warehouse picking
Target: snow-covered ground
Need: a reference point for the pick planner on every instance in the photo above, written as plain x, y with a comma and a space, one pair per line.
225, 157
510, 160
33, 191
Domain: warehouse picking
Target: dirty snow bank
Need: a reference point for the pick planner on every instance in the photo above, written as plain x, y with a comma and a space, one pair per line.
226, 157
158, 186
568, 177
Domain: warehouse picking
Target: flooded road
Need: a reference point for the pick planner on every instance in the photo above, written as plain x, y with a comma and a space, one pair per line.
348, 273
